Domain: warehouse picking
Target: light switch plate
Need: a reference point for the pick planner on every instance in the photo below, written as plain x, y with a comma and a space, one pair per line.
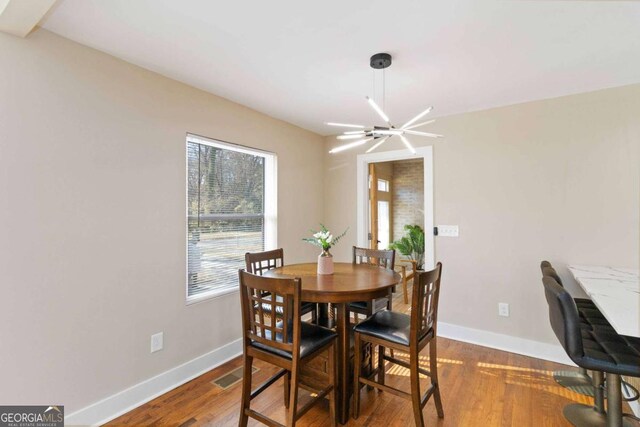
448, 231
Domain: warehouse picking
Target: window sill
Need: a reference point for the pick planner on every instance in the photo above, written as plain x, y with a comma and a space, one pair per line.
210, 295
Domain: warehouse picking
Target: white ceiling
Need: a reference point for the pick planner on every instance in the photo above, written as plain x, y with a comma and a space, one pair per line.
308, 62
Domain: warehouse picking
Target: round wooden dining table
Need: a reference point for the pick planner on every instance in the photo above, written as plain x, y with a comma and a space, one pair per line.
349, 283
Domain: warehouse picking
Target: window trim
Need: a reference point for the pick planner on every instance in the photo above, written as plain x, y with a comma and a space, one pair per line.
270, 206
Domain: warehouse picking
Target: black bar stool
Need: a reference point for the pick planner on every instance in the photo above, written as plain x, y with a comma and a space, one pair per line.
590, 318
605, 352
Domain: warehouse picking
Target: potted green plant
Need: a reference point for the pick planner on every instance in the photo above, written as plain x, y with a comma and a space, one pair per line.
411, 245
325, 240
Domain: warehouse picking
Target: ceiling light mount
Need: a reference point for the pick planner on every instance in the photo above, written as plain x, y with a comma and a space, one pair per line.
380, 61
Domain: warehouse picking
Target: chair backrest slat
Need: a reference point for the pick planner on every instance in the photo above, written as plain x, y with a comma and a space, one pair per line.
258, 323
424, 305
383, 258
259, 262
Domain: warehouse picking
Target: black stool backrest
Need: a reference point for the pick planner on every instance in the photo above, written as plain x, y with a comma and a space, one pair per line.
551, 272
424, 303
382, 257
258, 324
564, 318
545, 264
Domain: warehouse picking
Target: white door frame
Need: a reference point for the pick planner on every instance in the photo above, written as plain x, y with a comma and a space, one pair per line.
363, 160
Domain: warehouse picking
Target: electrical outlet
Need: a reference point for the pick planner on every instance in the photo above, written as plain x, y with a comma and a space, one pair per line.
503, 309
157, 342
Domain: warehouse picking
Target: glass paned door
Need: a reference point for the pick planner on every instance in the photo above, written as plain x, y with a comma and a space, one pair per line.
383, 224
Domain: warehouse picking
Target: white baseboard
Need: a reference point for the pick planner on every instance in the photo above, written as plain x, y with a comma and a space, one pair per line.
539, 350
124, 401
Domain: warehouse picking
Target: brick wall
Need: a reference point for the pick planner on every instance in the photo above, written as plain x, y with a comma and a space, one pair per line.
408, 195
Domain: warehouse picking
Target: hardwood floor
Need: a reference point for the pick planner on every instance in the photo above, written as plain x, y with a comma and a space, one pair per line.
480, 387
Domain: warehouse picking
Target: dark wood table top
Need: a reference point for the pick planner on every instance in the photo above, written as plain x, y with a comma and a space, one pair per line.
349, 282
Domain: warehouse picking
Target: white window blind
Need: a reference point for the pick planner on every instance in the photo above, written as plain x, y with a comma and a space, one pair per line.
230, 211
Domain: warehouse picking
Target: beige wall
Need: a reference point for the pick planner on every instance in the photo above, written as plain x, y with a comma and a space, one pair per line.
557, 179
92, 224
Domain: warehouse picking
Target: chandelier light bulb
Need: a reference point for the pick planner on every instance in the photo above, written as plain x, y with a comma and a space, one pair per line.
350, 145
345, 125
378, 144
418, 117
408, 144
378, 109
350, 136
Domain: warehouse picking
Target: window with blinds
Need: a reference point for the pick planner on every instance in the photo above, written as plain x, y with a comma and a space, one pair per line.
230, 211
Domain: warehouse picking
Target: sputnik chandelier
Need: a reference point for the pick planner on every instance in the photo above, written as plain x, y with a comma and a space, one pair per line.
381, 134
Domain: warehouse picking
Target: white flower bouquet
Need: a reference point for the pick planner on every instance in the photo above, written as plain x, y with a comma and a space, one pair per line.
324, 238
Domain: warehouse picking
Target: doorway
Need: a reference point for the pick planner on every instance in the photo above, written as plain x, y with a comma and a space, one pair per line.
384, 207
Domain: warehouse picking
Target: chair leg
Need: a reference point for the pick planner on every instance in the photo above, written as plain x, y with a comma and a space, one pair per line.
371, 346
287, 389
368, 349
614, 401
246, 390
416, 396
381, 372
357, 362
333, 381
598, 391
404, 289
293, 397
433, 367
389, 306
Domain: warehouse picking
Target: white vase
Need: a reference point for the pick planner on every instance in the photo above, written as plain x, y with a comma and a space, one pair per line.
325, 263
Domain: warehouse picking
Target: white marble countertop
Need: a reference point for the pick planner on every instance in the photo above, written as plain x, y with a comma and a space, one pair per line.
616, 292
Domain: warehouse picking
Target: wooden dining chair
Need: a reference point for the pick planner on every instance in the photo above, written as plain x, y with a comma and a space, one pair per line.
287, 343
259, 262
408, 270
381, 258
409, 334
